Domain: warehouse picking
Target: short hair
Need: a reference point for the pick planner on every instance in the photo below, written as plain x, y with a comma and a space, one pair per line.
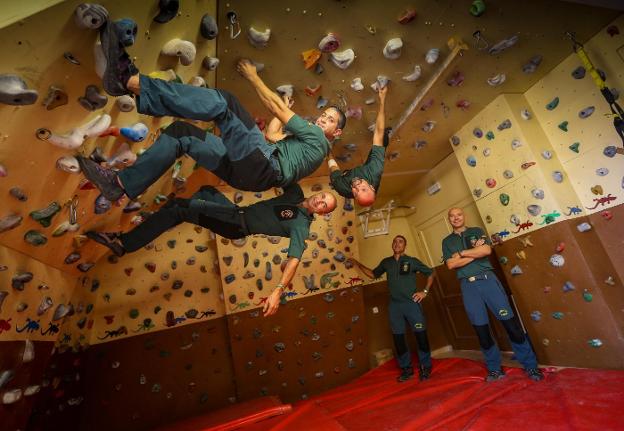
342, 118
400, 236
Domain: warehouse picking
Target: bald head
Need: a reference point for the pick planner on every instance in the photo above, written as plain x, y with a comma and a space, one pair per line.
363, 192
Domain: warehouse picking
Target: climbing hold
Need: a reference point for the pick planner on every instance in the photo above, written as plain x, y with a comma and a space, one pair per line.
583, 227
89, 15
61, 311
382, 81
463, 104
508, 174
183, 49
136, 133
496, 80
490, 182
527, 165
588, 297
35, 238
44, 216
606, 214
102, 205
414, 75
277, 259
177, 284
125, 103
516, 270
595, 342
504, 199
18, 281
321, 102
329, 43
168, 11
428, 126
432, 55
536, 315
597, 190
578, 73
210, 63
312, 91
610, 281
557, 260
601, 172
56, 97
268, 274
532, 64
503, 260
557, 176
85, 266
477, 132
133, 313
342, 59
534, 210
503, 45
208, 27
454, 140
259, 39
504, 125
477, 8
489, 135
563, 126
557, 315
456, 79
392, 49
14, 91
547, 155
521, 255
610, 151
552, 104
75, 137
568, 286
72, 258
586, 112
198, 81
407, 16
18, 194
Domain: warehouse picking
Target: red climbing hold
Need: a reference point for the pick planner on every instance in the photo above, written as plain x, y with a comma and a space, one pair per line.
560, 247
607, 215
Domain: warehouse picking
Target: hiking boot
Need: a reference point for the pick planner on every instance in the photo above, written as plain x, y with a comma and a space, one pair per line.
534, 374
406, 374
103, 178
119, 66
108, 239
495, 375
424, 373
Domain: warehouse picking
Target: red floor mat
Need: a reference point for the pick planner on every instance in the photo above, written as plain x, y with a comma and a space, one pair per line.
457, 398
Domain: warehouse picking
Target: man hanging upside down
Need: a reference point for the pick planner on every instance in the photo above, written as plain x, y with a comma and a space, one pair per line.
240, 156
288, 215
363, 181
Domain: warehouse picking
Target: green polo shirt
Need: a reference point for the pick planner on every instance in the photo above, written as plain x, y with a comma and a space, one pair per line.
370, 171
282, 216
302, 152
401, 275
464, 241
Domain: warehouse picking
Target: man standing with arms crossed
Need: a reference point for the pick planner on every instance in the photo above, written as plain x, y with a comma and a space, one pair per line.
405, 304
467, 249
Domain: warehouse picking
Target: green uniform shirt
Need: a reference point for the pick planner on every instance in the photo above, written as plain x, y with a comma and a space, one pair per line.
370, 171
464, 241
401, 276
281, 216
301, 153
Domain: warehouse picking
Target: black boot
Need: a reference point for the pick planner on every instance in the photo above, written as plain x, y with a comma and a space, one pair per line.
406, 374
424, 373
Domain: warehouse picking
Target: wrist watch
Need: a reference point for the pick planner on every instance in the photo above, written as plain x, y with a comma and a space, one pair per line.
279, 286
426, 291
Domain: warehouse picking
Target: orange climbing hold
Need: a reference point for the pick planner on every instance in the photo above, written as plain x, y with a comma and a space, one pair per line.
310, 57
311, 91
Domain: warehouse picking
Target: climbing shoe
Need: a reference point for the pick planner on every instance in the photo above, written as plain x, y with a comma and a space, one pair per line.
492, 376
119, 66
406, 374
534, 374
108, 239
104, 179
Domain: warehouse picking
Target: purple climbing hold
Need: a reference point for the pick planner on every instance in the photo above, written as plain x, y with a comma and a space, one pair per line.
85, 266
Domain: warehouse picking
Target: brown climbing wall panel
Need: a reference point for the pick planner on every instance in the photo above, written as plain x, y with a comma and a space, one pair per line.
15, 416
310, 345
592, 310
299, 25
145, 381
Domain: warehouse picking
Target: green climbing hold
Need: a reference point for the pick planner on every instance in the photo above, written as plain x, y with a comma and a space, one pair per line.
587, 296
44, 215
159, 199
557, 315
575, 147
489, 135
563, 126
552, 104
504, 199
503, 260
595, 342
477, 8
134, 313
35, 238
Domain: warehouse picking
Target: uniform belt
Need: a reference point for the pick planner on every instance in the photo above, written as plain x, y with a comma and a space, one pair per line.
477, 277
274, 160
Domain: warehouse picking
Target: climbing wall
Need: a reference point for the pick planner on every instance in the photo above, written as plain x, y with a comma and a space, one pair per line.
580, 128
310, 345
366, 28
62, 57
251, 268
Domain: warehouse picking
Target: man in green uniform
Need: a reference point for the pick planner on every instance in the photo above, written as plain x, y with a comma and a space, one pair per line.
467, 250
288, 215
405, 305
362, 182
240, 155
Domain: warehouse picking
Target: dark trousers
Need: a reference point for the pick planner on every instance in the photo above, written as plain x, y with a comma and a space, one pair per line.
240, 156
207, 207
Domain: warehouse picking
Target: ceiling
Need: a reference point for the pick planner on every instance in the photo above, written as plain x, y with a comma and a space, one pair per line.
298, 25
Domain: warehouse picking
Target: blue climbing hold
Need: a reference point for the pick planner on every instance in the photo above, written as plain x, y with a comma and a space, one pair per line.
135, 133
568, 286
477, 132
552, 104
536, 315
578, 73
584, 113
471, 160
610, 151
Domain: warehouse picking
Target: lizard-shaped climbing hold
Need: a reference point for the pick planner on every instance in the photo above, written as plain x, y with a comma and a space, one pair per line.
602, 201
523, 226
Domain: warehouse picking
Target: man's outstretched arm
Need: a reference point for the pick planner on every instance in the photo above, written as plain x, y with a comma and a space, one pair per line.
268, 97
272, 304
380, 122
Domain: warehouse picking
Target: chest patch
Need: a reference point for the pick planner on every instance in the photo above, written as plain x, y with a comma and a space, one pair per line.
285, 212
404, 267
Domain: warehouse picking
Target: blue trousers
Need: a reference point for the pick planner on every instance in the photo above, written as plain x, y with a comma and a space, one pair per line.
240, 156
412, 312
487, 292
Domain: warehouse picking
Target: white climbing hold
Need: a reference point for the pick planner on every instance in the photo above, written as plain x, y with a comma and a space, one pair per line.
414, 75
123, 157
525, 114
76, 137
197, 81
432, 55
125, 103
259, 39
343, 59
329, 43
392, 50
286, 90
356, 84
68, 164
183, 49
515, 144
381, 82
496, 80
210, 63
